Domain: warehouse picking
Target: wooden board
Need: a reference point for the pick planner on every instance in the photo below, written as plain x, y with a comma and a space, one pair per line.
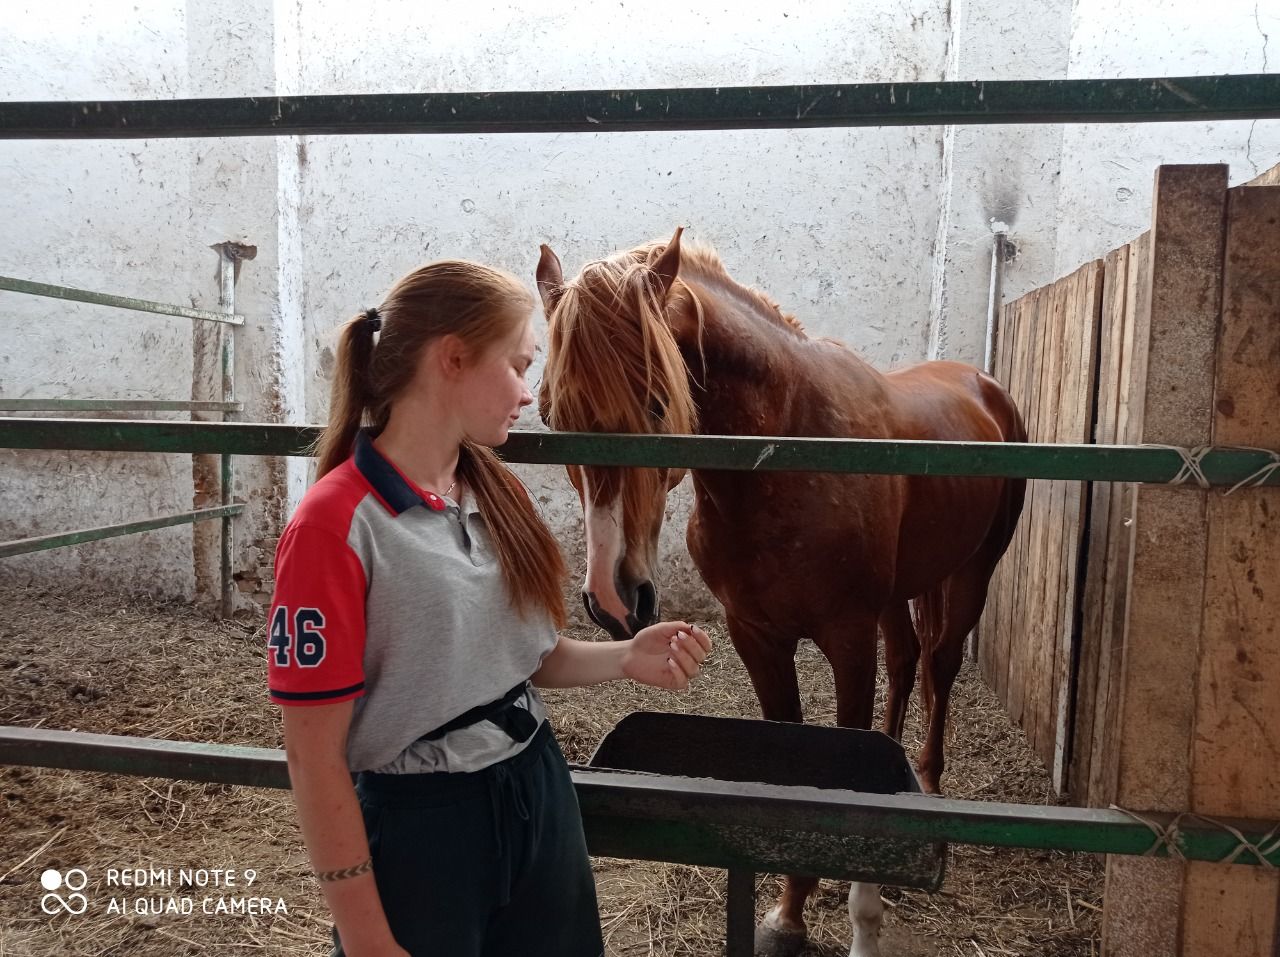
1235, 751
1079, 390
1132, 370
1096, 543
1047, 355
1167, 567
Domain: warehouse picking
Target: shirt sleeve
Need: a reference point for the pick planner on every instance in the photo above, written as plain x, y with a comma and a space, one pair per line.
316, 630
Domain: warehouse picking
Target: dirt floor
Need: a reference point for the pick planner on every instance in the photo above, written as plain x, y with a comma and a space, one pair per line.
109, 664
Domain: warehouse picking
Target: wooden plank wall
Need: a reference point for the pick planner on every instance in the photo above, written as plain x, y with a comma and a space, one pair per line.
1134, 631
1199, 721
1125, 319
1047, 356
1235, 750
1168, 539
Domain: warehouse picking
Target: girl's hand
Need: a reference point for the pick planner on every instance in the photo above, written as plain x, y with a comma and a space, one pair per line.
666, 655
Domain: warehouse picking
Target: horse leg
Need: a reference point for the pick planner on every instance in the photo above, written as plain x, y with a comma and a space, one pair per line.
850, 646
770, 660
944, 618
901, 653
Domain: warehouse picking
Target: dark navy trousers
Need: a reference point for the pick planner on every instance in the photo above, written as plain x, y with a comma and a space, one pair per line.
490, 863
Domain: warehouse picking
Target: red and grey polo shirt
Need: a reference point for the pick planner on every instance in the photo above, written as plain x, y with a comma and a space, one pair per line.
392, 596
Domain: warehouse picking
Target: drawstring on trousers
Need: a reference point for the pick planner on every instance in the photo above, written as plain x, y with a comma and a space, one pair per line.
510, 807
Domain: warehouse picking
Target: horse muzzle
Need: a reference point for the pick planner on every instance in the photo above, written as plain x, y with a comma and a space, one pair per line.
641, 599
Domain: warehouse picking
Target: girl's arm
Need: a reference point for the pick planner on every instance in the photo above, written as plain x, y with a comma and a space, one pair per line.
315, 739
665, 655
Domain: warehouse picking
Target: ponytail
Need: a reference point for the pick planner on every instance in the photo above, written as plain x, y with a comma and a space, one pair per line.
351, 397
532, 564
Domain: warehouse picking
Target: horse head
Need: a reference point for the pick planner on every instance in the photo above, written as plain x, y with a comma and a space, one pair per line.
614, 365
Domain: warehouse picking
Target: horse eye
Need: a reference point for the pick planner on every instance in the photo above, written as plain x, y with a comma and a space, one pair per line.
657, 410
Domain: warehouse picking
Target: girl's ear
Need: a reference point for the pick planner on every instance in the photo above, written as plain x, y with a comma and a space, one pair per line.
449, 355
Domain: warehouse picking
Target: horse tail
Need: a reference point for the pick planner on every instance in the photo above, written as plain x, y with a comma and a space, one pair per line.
928, 614
930, 610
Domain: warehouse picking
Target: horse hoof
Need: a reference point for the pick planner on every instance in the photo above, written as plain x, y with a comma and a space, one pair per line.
771, 942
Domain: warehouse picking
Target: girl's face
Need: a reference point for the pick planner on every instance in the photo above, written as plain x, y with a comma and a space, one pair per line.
492, 388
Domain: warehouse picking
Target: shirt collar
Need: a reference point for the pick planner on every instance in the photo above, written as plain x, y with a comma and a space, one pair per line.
395, 491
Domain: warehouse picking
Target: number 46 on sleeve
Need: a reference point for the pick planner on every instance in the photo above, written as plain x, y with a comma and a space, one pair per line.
302, 645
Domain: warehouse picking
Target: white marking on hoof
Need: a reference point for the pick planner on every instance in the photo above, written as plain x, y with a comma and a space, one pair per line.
866, 913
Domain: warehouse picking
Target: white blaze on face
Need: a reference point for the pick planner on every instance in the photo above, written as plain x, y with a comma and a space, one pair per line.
604, 552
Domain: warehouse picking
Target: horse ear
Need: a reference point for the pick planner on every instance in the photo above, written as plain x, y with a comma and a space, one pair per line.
667, 266
550, 278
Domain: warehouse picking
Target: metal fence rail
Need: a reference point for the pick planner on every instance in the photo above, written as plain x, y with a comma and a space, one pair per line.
653, 802
43, 543
1100, 463
116, 405
47, 291
1152, 100
228, 319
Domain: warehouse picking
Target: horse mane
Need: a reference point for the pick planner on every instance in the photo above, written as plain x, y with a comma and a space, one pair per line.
710, 267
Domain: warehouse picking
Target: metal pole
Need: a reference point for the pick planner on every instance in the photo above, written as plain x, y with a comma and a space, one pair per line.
995, 299
227, 304
740, 929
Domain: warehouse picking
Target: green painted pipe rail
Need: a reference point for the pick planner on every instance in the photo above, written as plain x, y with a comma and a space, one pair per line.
119, 302
650, 804
1101, 463
43, 543
117, 405
1159, 99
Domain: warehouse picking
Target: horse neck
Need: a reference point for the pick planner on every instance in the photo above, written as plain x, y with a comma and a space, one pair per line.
763, 377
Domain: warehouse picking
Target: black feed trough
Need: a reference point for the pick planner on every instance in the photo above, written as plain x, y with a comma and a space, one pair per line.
749, 754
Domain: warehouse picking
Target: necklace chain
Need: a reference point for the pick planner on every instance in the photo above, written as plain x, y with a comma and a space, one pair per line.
450, 488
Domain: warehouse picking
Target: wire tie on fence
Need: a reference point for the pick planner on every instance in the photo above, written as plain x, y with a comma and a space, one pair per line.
1191, 459
1260, 476
1169, 838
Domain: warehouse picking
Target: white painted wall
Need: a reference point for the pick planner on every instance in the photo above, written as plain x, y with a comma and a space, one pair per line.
879, 237
108, 216
1108, 171
136, 218
836, 224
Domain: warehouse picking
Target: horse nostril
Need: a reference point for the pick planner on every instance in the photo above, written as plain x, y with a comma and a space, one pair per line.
617, 631
646, 604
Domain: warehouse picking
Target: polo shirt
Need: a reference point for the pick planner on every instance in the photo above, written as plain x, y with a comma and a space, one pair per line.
392, 596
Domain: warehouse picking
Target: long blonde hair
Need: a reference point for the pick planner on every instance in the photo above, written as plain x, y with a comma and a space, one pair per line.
481, 306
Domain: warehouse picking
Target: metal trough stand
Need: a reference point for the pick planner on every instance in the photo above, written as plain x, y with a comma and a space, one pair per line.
751, 757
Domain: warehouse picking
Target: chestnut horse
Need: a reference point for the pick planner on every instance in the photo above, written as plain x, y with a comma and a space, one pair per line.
660, 340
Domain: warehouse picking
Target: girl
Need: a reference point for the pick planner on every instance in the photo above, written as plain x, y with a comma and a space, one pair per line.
417, 598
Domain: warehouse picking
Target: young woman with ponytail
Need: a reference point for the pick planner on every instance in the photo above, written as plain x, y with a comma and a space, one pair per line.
417, 599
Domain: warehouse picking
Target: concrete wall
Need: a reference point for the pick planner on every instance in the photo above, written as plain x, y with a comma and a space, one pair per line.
108, 216
137, 218
879, 237
1104, 196
836, 224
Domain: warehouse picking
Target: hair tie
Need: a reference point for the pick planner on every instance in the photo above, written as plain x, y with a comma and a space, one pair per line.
372, 319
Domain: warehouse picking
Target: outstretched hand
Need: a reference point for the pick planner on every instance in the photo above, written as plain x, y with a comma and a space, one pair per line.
666, 655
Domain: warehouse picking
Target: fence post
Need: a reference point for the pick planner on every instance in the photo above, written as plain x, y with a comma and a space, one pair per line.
1172, 400
227, 304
